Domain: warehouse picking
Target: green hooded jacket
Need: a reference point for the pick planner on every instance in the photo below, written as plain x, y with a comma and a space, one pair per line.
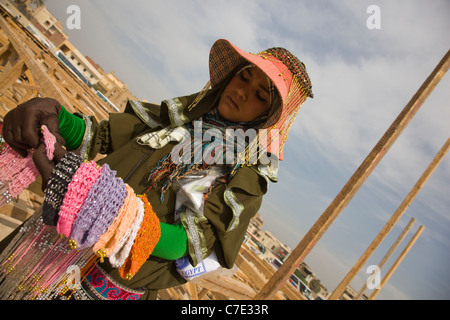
227, 211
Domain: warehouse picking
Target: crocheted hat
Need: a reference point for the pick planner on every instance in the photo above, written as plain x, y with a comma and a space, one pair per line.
286, 71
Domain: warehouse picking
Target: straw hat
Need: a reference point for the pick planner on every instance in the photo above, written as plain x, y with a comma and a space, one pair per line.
286, 71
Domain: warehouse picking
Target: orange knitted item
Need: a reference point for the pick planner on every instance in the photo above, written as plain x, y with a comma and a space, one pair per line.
146, 240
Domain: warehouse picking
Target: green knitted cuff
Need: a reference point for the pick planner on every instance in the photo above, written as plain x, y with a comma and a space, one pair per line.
72, 128
173, 242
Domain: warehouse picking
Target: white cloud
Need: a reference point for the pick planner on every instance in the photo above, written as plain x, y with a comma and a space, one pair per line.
172, 39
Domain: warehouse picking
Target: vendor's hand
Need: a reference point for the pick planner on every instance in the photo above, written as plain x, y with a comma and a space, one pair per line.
44, 165
22, 125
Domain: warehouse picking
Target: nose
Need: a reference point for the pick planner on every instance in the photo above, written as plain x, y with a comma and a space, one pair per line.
242, 93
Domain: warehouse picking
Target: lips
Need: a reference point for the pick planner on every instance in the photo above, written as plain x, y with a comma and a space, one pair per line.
232, 103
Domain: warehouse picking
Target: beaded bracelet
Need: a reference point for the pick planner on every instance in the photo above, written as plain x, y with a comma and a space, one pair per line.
108, 241
146, 240
99, 209
57, 186
77, 192
123, 248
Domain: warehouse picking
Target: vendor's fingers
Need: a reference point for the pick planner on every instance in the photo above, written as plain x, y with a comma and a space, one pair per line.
20, 148
30, 129
17, 134
60, 152
20, 134
22, 125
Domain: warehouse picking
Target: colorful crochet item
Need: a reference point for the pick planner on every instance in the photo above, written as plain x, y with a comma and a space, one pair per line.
57, 186
123, 248
49, 141
77, 192
96, 212
99, 209
109, 240
18, 173
108, 211
146, 240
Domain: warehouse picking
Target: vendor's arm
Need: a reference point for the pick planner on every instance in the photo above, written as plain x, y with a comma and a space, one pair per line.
173, 242
110, 134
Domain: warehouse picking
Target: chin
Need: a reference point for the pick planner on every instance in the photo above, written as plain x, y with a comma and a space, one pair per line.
223, 114
228, 115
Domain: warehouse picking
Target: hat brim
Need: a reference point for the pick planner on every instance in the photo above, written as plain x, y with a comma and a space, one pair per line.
224, 57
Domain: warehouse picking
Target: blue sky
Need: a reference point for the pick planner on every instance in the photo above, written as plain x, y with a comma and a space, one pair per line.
362, 79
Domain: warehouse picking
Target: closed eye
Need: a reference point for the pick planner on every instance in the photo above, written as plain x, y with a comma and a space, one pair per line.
260, 97
243, 78
246, 78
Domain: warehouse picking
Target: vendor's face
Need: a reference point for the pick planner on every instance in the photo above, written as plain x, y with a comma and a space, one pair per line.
246, 97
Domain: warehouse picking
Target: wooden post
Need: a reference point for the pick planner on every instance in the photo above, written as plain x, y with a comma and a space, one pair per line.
355, 182
397, 262
389, 253
392, 221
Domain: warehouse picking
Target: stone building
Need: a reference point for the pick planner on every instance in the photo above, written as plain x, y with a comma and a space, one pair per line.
50, 32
